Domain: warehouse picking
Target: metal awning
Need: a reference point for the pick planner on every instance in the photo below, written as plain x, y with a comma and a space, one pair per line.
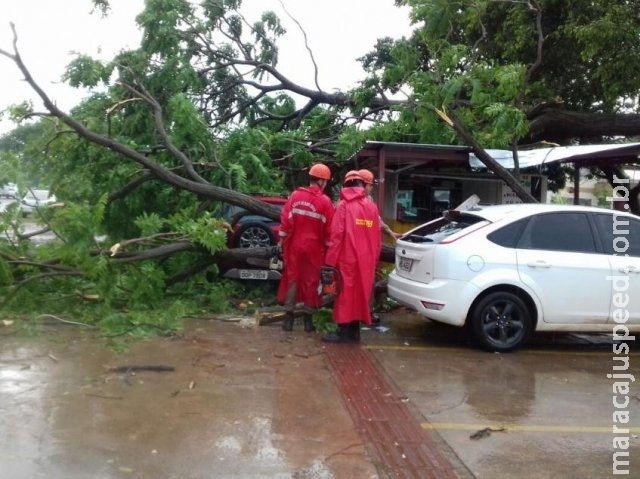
581, 155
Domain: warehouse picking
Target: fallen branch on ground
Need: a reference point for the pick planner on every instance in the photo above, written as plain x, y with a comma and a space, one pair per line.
132, 368
274, 314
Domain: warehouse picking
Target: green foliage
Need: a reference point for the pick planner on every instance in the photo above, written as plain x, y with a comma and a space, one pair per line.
482, 58
9, 168
86, 71
150, 224
19, 112
507, 121
145, 323
323, 321
602, 191
246, 158
6, 276
208, 231
559, 200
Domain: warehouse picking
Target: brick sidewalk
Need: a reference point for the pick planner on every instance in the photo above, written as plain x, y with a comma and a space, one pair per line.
396, 441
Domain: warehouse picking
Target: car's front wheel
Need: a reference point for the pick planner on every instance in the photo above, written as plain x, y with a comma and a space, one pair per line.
254, 235
501, 322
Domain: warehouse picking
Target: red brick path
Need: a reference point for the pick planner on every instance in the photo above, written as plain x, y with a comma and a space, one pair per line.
398, 444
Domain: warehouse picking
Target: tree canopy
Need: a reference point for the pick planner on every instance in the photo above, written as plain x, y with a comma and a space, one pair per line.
200, 114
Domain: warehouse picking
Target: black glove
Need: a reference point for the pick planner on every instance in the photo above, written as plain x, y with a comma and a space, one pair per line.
327, 275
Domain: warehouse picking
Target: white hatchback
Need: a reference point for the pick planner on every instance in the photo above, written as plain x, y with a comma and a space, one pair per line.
505, 271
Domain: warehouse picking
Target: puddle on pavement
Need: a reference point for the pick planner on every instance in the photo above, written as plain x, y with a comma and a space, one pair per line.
454, 375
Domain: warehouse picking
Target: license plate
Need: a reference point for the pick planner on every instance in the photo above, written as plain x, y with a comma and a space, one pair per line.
253, 274
405, 264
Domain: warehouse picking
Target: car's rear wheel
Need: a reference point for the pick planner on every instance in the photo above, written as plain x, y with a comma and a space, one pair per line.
254, 235
501, 322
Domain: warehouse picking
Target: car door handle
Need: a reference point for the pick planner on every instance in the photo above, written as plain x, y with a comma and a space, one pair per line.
539, 264
629, 269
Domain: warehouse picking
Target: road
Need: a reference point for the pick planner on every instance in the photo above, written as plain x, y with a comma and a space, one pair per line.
257, 402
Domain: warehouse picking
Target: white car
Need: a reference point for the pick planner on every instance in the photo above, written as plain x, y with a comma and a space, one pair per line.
35, 199
10, 190
505, 271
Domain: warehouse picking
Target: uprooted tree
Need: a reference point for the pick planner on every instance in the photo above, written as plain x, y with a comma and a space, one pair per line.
201, 114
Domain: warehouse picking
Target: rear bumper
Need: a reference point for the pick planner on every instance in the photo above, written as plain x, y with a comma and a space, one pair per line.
455, 297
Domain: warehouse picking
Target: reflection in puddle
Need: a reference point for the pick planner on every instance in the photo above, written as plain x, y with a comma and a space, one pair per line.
13, 381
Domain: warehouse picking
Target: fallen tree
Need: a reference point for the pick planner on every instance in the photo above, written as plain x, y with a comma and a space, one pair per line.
192, 119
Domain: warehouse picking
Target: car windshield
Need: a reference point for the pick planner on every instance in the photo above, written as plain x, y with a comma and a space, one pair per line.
441, 228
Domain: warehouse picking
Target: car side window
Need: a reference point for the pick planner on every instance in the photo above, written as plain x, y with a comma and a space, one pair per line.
559, 232
620, 234
507, 236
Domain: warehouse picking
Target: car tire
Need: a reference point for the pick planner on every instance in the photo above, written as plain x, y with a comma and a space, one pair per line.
254, 235
501, 322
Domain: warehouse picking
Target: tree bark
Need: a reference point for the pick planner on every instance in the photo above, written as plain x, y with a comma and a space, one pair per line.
557, 125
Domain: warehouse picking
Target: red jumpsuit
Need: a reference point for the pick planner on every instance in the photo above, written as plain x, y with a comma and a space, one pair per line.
354, 249
305, 224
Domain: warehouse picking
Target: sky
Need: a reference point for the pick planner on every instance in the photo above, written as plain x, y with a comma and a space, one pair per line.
338, 32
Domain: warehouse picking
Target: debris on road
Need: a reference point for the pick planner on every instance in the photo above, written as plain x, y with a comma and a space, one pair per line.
132, 368
486, 432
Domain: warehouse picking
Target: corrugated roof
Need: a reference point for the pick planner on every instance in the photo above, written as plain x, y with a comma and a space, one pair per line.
583, 155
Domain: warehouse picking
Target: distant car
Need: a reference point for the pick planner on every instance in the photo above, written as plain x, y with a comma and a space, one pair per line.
508, 270
251, 230
35, 199
10, 190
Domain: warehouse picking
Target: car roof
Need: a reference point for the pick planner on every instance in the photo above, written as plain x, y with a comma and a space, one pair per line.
38, 193
516, 211
273, 200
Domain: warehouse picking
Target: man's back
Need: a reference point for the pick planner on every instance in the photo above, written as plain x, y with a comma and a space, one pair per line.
306, 218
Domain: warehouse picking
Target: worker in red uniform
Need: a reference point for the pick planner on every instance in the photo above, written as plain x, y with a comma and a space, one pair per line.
354, 250
305, 224
369, 182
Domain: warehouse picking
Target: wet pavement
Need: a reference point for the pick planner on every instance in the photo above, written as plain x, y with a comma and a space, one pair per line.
242, 402
246, 401
544, 411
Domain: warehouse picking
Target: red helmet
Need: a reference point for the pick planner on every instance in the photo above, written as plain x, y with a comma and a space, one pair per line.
320, 171
352, 175
367, 177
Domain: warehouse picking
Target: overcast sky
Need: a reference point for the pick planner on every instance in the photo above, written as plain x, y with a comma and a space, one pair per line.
49, 31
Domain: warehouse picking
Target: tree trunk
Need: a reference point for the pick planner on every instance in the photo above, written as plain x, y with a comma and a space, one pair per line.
485, 158
557, 125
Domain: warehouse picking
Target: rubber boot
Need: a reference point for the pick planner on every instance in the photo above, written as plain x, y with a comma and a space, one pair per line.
354, 331
287, 323
340, 336
308, 324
